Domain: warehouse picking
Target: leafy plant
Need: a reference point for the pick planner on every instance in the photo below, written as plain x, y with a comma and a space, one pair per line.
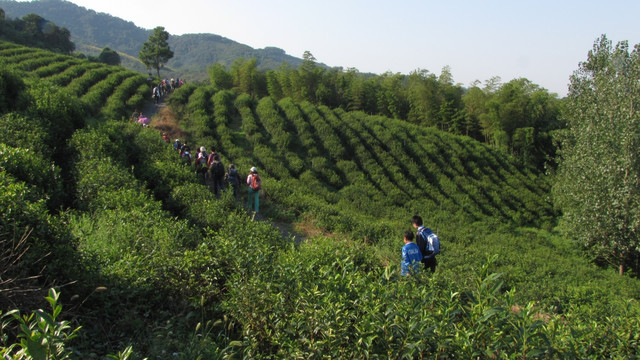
41, 336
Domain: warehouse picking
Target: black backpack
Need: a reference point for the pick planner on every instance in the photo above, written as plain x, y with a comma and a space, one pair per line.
232, 177
217, 169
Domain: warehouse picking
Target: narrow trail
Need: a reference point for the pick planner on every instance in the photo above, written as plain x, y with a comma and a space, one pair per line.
164, 120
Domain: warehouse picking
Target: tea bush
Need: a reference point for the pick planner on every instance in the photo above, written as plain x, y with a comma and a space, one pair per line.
33, 169
12, 94
21, 130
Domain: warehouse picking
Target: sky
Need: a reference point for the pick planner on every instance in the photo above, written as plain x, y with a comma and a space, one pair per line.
543, 41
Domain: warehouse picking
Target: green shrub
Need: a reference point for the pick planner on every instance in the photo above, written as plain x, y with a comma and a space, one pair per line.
63, 114
99, 175
20, 130
42, 335
35, 170
12, 91
25, 218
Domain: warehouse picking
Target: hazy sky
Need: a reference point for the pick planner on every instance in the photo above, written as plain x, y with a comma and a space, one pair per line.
542, 40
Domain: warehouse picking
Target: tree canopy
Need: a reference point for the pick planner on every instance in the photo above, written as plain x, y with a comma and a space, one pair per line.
598, 185
108, 56
155, 52
34, 30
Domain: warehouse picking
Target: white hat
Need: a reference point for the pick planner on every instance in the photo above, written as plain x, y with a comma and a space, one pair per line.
253, 169
202, 149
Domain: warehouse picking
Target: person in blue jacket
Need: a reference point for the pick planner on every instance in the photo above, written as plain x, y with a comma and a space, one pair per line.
411, 255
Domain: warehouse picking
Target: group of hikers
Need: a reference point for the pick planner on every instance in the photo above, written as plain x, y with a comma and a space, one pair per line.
423, 251
164, 87
211, 172
140, 118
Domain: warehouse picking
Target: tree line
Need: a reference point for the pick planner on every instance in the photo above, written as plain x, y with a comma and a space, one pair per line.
518, 116
34, 30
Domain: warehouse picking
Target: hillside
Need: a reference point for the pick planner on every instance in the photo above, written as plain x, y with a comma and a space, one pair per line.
92, 31
149, 261
333, 164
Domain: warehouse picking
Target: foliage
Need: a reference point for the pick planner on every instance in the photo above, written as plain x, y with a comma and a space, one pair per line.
155, 52
109, 57
32, 169
61, 114
103, 91
599, 176
12, 95
20, 130
42, 336
34, 30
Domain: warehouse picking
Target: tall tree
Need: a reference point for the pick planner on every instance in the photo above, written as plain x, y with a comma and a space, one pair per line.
155, 52
598, 185
309, 75
474, 105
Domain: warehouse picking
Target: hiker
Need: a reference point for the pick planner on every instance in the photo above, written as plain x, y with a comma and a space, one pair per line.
186, 157
156, 94
426, 246
143, 120
185, 148
216, 174
165, 137
411, 255
210, 159
211, 156
177, 146
254, 182
233, 179
201, 164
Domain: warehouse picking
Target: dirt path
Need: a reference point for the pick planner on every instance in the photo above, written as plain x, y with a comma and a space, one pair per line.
164, 120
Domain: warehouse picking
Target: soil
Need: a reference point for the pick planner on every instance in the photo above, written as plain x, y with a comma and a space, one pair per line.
163, 120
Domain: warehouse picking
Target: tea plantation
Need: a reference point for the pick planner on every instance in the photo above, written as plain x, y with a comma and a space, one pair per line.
148, 263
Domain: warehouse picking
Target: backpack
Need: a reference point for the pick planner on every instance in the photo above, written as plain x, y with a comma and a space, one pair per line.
217, 169
202, 159
186, 157
211, 158
232, 177
428, 242
434, 242
255, 182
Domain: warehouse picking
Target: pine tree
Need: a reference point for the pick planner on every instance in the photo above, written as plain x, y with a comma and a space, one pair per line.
155, 52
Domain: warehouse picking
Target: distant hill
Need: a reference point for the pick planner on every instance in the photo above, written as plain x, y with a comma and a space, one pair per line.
92, 31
